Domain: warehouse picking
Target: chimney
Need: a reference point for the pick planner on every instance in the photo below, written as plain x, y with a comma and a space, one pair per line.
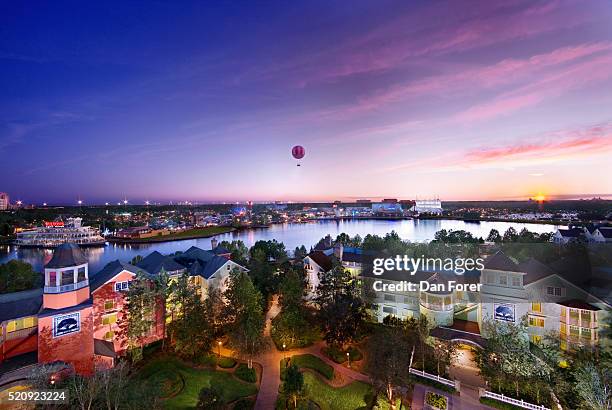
213, 243
339, 251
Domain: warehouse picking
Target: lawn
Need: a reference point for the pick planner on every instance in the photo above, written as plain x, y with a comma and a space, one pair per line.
357, 395
309, 361
188, 234
163, 372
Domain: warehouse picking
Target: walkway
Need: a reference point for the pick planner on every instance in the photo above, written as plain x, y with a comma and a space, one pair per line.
270, 362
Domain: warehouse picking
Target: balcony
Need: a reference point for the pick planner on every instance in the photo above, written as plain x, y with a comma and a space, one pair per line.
66, 288
437, 306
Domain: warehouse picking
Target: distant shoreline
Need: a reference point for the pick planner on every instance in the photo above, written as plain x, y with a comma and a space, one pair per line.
181, 236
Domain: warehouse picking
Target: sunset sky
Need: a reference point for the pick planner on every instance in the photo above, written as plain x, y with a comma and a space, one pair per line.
203, 100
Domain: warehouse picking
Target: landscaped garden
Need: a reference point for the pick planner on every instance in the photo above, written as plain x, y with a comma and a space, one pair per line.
309, 361
179, 384
340, 356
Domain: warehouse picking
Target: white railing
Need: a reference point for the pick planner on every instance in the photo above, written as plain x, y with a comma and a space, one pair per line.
510, 400
66, 288
437, 378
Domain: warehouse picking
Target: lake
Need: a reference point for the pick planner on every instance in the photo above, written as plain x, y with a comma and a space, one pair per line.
291, 235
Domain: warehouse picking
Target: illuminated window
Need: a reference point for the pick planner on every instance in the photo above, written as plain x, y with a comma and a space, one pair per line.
536, 321
109, 304
52, 279
109, 335
536, 307
19, 324
536, 339
109, 319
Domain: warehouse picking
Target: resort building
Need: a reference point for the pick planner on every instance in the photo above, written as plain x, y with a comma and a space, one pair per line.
75, 318
428, 206
562, 298
4, 201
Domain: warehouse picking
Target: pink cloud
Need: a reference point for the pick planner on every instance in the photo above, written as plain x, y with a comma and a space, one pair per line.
549, 85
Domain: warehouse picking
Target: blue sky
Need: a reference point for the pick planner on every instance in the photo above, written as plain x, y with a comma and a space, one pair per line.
203, 101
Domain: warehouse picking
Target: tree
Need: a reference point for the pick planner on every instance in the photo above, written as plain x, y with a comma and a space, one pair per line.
264, 275
114, 384
190, 328
510, 235
245, 315
238, 250
342, 312
293, 385
143, 302
16, 275
300, 252
210, 399
494, 236
384, 348
593, 386
444, 352
269, 250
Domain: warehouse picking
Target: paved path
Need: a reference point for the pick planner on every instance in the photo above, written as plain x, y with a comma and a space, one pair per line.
270, 361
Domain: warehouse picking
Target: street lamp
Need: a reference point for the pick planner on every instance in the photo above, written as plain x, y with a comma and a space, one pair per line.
348, 359
219, 343
284, 353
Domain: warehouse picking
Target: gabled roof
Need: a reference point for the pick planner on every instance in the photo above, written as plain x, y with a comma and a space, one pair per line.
109, 271
571, 233
321, 259
606, 232
197, 253
499, 261
579, 304
220, 250
19, 304
66, 255
535, 270
155, 262
213, 265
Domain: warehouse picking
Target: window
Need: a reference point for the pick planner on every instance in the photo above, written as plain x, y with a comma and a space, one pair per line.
536, 321
389, 298
52, 279
67, 277
516, 281
81, 275
388, 309
109, 319
535, 339
23, 323
536, 307
585, 333
556, 291
109, 304
109, 335
122, 286
490, 279
503, 280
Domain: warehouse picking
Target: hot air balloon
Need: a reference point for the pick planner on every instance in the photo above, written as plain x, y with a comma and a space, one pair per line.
298, 153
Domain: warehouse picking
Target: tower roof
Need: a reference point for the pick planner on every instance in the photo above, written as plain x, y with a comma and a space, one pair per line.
65, 255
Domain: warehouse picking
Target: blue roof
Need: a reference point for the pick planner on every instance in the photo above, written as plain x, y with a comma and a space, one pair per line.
109, 271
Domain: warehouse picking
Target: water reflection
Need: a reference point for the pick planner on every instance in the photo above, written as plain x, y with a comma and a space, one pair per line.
291, 235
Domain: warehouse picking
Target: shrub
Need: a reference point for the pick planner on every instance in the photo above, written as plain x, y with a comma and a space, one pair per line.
339, 356
244, 373
206, 359
498, 404
244, 404
209, 399
226, 362
436, 400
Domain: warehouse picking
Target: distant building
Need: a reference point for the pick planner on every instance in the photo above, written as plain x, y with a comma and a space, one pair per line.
428, 206
564, 236
364, 201
387, 208
389, 201
141, 232
602, 234
4, 201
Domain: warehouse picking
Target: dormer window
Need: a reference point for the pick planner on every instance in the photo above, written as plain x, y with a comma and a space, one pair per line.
122, 286
81, 275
